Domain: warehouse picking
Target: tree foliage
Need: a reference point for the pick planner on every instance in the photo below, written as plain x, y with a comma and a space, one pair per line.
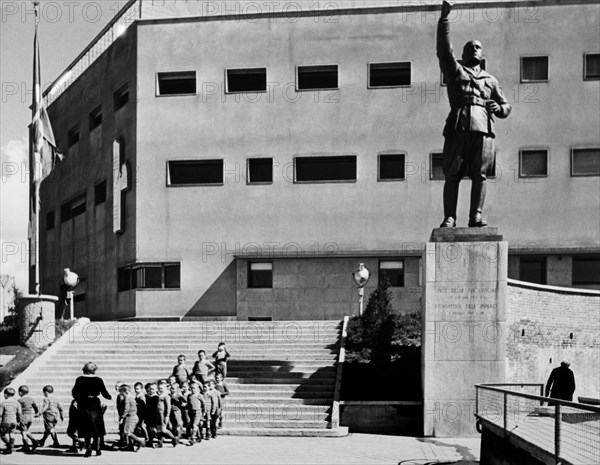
379, 335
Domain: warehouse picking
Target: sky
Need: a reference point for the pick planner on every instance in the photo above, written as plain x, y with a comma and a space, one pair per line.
65, 29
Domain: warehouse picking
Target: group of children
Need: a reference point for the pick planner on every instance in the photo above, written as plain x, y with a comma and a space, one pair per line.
19, 414
188, 404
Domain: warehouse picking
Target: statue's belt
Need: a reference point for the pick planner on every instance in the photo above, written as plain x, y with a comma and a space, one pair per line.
470, 100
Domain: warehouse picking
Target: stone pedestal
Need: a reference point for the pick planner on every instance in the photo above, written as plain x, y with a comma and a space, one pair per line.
37, 320
464, 325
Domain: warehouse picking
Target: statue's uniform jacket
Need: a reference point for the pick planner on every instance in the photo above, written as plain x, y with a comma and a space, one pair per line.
467, 92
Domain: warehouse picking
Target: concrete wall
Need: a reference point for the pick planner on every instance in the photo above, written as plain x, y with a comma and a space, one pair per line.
320, 288
399, 418
87, 244
546, 326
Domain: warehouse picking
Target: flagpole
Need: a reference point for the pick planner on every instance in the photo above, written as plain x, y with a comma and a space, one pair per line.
37, 182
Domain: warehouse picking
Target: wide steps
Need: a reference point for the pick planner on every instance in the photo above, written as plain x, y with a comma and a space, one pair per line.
281, 375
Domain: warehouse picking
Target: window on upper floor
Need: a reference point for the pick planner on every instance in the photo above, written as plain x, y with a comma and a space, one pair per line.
176, 83
121, 96
100, 193
260, 171
73, 208
50, 220
246, 80
194, 172
317, 77
73, 135
534, 69
533, 163
389, 74
591, 66
585, 161
325, 169
95, 118
391, 167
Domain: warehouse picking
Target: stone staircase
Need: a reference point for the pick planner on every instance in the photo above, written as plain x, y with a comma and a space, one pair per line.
281, 375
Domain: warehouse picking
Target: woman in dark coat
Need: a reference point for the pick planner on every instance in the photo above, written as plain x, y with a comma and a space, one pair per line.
90, 415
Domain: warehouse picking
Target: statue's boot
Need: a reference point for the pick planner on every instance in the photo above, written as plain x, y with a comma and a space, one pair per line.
478, 189
450, 201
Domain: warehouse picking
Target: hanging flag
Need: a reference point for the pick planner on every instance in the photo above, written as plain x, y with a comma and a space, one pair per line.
42, 161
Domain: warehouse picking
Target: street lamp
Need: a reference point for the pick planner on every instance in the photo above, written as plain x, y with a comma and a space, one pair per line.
70, 281
361, 278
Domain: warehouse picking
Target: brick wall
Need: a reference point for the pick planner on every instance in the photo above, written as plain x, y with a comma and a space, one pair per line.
547, 325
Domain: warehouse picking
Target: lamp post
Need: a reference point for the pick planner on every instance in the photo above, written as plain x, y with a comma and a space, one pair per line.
70, 280
361, 278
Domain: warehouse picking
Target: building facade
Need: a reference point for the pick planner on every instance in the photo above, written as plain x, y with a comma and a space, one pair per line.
242, 163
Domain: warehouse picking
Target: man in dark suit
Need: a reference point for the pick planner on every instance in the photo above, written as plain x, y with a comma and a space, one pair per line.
561, 383
475, 98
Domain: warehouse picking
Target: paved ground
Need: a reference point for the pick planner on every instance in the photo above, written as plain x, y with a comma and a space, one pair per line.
355, 448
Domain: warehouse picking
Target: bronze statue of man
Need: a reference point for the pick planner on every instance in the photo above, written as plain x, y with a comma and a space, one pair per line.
475, 98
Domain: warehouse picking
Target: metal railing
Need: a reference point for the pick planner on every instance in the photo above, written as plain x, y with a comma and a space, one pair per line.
569, 431
123, 19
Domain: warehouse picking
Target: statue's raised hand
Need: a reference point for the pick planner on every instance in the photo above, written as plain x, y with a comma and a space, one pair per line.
446, 8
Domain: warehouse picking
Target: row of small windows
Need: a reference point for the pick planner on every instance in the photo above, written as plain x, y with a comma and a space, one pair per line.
77, 206
149, 276
314, 77
326, 77
585, 270
340, 168
260, 274
120, 99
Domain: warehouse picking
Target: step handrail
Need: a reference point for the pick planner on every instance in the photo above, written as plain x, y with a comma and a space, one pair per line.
335, 409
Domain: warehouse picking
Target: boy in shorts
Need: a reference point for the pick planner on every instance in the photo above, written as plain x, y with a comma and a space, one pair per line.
10, 417
52, 410
29, 410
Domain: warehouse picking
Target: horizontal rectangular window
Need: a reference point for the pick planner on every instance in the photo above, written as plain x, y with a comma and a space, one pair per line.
50, 220
389, 74
95, 117
533, 163
591, 66
391, 167
121, 96
247, 80
149, 276
325, 169
392, 272
260, 275
260, 170
435, 167
585, 162
73, 135
176, 83
100, 193
534, 69
186, 172
586, 270
532, 269
72, 208
317, 77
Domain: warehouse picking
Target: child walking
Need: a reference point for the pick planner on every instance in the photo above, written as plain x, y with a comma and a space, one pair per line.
52, 410
196, 408
10, 417
29, 410
129, 420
